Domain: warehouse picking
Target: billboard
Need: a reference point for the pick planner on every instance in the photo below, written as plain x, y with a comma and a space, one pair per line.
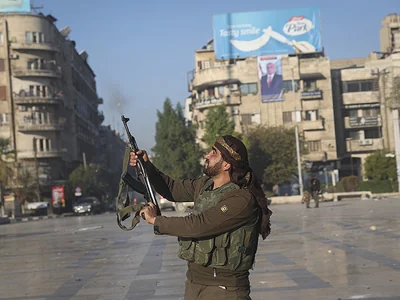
57, 196
270, 76
239, 35
15, 6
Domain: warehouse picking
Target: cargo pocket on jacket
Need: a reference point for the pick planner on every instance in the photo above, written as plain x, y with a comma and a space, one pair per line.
220, 255
186, 250
203, 252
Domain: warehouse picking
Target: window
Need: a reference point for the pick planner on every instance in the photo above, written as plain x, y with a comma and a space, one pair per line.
43, 64
352, 113
310, 85
1, 38
41, 145
48, 144
33, 64
311, 115
287, 85
249, 119
314, 146
371, 112
206, 64
221, 90
287, 117
211, 92
360, 86
28, 37
396, 40
354, 135
4, 118
34, 37
2, 65
372, 133
248, 88
44, 91
41, 39
3, 93
38, 91
31, 90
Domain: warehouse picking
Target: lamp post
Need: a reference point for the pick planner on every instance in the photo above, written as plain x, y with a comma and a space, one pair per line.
297, 138
351, 156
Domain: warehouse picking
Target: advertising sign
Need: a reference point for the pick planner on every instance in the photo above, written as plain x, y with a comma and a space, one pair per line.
239, 35
270, 76
57, 196
15, 6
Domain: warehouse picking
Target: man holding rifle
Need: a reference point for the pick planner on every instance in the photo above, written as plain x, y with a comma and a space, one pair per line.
220, 239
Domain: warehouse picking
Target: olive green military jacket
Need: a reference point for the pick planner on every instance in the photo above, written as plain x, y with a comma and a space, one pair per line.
234, 210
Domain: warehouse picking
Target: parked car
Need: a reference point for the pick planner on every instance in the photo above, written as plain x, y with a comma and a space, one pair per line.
88, 205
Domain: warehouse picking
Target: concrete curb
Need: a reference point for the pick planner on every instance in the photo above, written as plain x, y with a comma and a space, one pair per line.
27, 219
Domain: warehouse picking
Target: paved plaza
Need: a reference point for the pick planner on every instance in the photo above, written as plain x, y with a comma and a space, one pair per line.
343, 250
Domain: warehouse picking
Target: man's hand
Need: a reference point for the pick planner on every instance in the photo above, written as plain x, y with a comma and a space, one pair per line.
134, 157
150, 213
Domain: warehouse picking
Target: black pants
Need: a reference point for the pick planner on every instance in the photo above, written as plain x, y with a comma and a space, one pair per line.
209, 292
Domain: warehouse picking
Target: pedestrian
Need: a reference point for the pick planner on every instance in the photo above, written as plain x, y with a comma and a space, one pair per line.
219, 240
312, 190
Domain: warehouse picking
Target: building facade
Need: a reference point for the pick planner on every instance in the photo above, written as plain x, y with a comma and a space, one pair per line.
342, 107
48, 99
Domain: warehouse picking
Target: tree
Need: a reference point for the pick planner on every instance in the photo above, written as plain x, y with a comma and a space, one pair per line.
176, 152
95, 180
379, 166
5, 167
272, 154
217, 124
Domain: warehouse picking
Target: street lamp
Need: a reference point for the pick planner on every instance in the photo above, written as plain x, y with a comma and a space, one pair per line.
351, 156
297, 138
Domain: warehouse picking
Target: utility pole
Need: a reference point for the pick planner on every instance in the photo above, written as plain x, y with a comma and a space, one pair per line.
36, 169
84, 160
297, 138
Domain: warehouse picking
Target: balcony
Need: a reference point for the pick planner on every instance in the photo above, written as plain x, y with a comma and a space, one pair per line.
233, 99
365, 145
49, 73
223, 74
35, 46
40, 154
40, 127
362, 122
360, 98
315, 156
311, 95
312, 125
32, 99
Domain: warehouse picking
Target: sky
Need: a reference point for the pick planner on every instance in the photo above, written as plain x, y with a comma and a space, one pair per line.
141, 51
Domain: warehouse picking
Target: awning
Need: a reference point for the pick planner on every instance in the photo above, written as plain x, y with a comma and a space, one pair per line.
215, 83
306, 76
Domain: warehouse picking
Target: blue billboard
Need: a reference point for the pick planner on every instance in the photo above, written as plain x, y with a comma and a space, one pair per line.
239, 35
15, 6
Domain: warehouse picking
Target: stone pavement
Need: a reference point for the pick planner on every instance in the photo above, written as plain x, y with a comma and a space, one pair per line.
343, 250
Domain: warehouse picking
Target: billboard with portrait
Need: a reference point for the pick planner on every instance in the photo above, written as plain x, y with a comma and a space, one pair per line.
57, 196
15, 6
239, 35
270, 76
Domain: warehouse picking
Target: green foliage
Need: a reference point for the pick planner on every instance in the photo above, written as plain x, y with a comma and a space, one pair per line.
176, 152
96, 180
377, 186
5, 167
379, 167
217, 124
350, 183
272, 154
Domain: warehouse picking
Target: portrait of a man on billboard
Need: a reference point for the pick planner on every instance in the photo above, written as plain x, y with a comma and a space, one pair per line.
270, 75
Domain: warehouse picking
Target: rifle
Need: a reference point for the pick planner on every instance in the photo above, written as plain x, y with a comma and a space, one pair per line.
143, 186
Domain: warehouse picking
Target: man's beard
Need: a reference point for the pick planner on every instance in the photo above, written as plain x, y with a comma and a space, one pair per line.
214, 170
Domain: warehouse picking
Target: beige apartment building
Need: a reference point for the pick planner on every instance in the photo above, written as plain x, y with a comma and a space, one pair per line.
342, 107
235, 83
48, 99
